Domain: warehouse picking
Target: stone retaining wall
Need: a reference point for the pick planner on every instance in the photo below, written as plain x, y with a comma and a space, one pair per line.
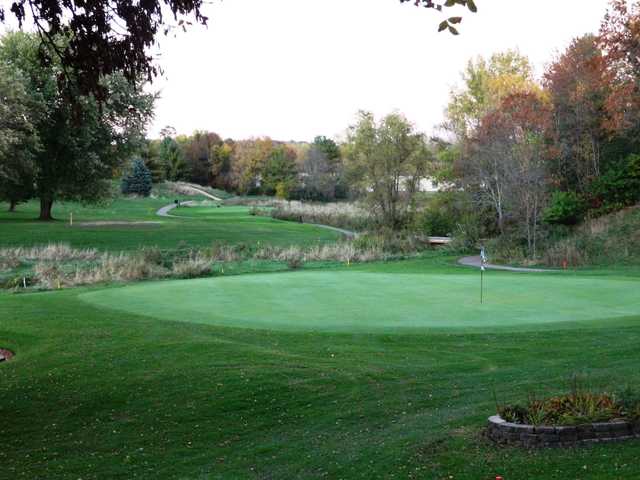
530, 436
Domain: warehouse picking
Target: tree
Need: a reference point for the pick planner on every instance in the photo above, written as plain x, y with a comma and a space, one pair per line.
220, 159
329, 148
197, 152
279, 171
318, 176
387, 159
18, 138
138, 182
172, 159
81, 143
321, 170
150, 154
103, 37
578, 87
508, 163
485, 85
619, 33
249, 158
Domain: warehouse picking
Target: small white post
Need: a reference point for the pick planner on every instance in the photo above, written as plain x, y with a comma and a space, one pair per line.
71, 219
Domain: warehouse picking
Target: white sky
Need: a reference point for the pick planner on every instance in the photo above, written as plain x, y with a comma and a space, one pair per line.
293, 69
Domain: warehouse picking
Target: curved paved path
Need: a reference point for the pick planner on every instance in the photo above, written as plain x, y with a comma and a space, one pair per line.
476, 262
164, 211
346, 233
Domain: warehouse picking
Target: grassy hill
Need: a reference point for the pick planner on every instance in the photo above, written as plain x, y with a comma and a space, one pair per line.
608, 240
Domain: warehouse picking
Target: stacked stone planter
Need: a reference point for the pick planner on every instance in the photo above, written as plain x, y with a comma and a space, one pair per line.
530, 436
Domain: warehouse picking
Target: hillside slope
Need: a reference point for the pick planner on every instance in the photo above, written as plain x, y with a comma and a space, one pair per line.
611, 239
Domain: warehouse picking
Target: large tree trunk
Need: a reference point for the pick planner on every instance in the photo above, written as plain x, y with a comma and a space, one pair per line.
45, 209
12, 205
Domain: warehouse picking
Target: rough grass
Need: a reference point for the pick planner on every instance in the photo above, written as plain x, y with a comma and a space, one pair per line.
351, 216
56, 252
611, 239
58, 266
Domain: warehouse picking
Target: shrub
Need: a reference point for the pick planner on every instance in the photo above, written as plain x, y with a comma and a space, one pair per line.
619, 187
436, 222
566, 208
139, 181
295, 263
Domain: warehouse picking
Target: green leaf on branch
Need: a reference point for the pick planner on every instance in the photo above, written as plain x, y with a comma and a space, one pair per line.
443, 26
453, 30
455, 19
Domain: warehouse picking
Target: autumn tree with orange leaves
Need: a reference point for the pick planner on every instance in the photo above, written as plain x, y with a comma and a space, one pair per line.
578, 85
507, 163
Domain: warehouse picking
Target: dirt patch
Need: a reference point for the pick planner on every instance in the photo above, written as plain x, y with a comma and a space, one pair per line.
5, 354
118, 224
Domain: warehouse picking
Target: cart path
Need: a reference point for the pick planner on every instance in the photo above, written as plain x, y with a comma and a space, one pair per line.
164, 211
476, 261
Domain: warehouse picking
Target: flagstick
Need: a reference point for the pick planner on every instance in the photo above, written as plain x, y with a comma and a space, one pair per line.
481, 285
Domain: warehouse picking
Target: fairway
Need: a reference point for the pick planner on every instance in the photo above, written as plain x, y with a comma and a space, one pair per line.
195, 227
371, 301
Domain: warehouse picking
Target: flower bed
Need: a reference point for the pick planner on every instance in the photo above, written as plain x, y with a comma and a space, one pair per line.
531, 436
579, 417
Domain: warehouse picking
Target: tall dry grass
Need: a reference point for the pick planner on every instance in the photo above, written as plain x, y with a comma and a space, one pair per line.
351, 216
57, 252
57, 266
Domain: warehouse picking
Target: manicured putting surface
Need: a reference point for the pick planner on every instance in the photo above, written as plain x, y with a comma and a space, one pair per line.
369, 301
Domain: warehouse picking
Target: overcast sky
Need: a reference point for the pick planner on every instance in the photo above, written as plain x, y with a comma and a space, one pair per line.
293, 69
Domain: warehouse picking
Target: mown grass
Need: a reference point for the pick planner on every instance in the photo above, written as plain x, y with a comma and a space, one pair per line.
226, 224
98, 393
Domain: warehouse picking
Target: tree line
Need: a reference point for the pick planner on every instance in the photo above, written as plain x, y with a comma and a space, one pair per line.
309, 171
382, 160
534, 155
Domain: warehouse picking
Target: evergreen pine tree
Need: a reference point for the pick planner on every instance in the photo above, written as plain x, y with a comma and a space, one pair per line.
138, 182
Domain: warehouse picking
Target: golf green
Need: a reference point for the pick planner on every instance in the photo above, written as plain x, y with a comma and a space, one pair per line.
377, 301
